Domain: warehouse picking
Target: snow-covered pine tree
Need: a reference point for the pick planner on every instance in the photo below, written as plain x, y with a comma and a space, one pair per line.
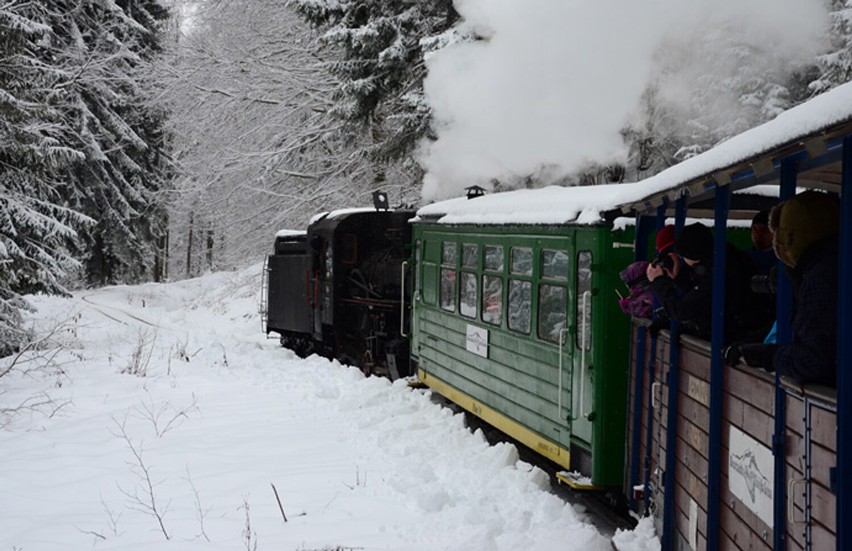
381, 71
708, 87
107, 114
835, 66
35, 227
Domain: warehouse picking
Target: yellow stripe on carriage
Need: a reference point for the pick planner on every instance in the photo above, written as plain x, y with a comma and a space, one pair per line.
497, 420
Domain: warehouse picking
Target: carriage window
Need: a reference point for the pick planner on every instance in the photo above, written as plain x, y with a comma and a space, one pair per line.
494, 258
470, 255
522, 260
448, 288
554, 264
467, 294
448, 255
492, 299
449, 252
552, 311
584, 299
520, 305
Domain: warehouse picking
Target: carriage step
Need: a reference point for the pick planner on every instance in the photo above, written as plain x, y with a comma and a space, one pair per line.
576, 481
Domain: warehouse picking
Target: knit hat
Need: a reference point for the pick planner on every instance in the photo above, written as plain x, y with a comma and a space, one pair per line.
695, 242
808, 217
665, 238
761, 218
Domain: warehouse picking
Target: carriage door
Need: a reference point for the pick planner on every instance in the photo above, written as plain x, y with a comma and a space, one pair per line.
582, 340
553, 325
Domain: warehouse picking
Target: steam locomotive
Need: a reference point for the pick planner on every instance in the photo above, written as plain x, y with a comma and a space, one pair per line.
337, 289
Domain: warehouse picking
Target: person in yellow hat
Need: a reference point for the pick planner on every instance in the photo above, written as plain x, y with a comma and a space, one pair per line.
805, 238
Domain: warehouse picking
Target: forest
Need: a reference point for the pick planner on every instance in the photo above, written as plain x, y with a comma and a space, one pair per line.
154, 140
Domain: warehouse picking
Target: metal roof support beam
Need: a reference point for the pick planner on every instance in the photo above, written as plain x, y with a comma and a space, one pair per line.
673, 383
640, 252
843, 487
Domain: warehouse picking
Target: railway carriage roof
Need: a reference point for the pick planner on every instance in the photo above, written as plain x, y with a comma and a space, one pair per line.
289, 233
339, 213
806, 127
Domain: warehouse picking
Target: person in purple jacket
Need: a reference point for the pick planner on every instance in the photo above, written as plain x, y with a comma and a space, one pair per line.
806, 241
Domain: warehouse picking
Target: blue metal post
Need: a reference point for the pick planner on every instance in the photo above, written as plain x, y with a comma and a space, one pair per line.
843, 489
717, 372
673, 382
652, 360
649, 434
643, 231
783, 312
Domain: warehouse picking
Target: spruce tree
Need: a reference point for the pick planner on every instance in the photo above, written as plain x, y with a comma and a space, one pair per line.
35, 226
381, 71
835, 66
109, 117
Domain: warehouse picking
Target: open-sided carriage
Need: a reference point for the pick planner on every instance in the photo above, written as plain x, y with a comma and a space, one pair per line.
733, 457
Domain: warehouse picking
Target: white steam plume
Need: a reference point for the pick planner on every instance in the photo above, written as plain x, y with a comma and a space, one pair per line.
555, 81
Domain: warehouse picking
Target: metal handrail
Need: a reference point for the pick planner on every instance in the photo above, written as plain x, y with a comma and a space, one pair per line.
402, 332
562, 333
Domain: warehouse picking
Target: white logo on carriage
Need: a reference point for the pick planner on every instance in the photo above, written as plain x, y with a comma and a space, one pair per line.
751, 472
746, 466
477, 340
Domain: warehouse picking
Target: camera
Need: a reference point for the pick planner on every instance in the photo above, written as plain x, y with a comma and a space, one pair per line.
666, 262
763, 284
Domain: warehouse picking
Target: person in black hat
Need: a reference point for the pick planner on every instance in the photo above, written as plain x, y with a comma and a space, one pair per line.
762, 256
689, 300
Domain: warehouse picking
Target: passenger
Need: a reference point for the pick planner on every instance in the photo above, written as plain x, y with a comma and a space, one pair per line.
762, 261
665, 242
762, 256
806, 241
639, 301
688, 298
665, 258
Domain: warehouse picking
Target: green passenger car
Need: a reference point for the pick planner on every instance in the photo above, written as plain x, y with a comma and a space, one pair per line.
519, 324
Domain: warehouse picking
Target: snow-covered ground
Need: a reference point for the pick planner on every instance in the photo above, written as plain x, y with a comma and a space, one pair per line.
161, 417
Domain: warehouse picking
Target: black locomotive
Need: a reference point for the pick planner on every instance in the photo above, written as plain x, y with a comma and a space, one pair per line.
337, 289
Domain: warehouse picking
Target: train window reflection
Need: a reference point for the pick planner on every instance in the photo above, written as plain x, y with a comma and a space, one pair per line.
584, 300
522, 260
552, 314
470, 255
467, 294
492, 299
448, 289
494, 258
448, 255
520, 305
554, 264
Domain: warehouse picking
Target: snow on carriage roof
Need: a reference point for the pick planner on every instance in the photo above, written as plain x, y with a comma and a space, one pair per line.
289, 233
339, 212
587, 204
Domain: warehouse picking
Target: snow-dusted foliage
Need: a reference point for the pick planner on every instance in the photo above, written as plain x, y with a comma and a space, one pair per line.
75, 162
111, 118
257, 151
835, 66
711, 85
381, 70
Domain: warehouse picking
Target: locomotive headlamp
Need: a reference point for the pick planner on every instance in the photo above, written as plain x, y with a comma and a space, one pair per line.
380, 200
